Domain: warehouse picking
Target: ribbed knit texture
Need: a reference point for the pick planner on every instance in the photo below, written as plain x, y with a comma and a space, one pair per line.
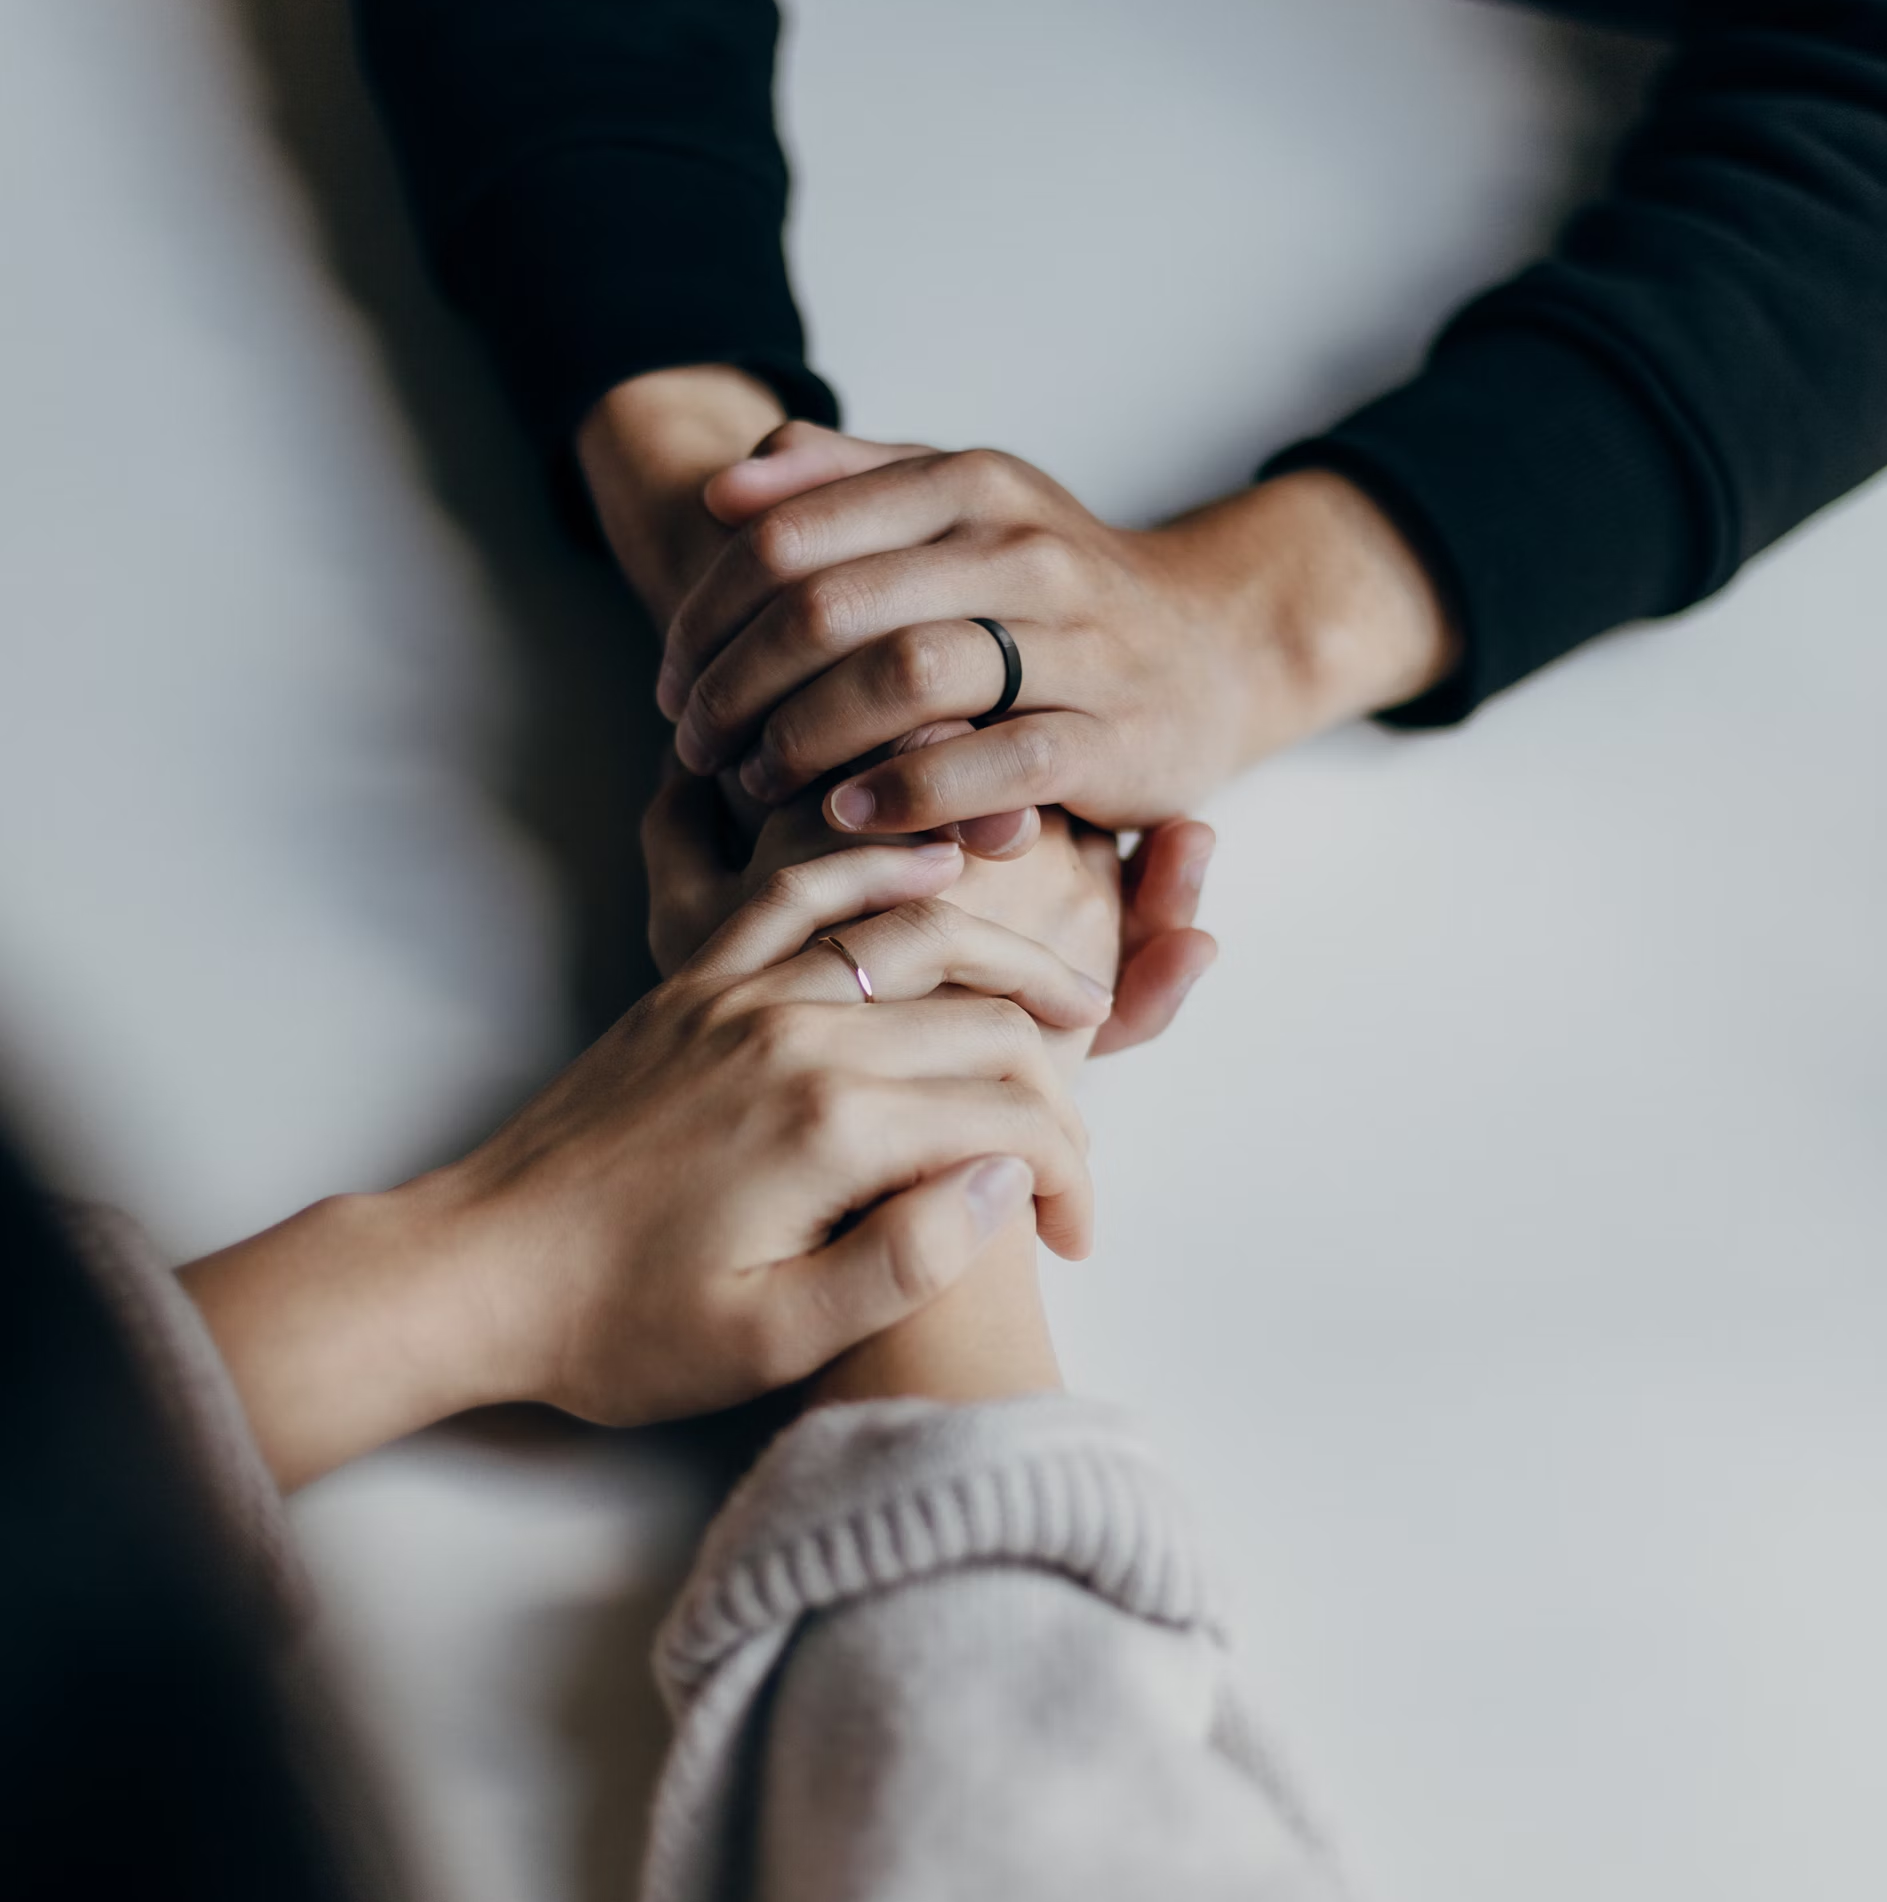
1058, 1483
909, 1524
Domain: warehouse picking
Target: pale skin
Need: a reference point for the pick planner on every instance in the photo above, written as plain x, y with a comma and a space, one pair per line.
510, 1275
987, 1335
583, 1258
751, 1173
827, 625
658, 446
653, 1235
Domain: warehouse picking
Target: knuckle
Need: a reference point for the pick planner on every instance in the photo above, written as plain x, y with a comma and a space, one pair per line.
993, 477
1033, 752
788, 889
796, 434
714, 696
910, 1267
794, 741
933, 921
781, 1036
1046, 561
1013, 1028
825, 608
914, 665
824, 1108
779, 542
716, 1013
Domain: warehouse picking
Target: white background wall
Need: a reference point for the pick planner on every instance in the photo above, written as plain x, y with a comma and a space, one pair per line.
1497, 1243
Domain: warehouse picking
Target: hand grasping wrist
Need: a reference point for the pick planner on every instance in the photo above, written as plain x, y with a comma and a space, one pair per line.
646, 451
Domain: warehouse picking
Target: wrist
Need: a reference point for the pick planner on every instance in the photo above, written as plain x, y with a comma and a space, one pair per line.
346, 1327
984, 1338
1326, 610
646, 450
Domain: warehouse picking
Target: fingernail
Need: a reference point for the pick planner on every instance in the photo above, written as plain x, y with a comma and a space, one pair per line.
1195, 871
1099, 993
937, 851
761, 777
670, 694
853, 806
997, 1192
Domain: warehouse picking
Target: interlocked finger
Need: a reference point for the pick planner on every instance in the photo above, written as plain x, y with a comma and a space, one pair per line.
948, 1036
917, 676
911, 501
913, 950
1040, 759
810, 625
905, 1130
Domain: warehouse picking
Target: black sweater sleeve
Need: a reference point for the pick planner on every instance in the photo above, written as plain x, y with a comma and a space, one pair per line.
1701, 364
598, 184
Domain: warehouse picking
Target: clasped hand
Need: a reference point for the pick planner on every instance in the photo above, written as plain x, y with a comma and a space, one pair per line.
751, 1172
836, 619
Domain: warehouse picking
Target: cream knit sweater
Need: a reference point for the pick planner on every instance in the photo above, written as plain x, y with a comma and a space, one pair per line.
927, 1652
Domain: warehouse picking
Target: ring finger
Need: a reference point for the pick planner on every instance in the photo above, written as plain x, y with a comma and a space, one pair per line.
910, 952
818, 621
916, 676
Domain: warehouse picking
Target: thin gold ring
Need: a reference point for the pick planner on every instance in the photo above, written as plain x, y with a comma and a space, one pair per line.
858, 970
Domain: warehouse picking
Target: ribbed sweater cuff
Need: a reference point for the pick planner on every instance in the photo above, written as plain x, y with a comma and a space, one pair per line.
857, 1499
590, 266
1537, 480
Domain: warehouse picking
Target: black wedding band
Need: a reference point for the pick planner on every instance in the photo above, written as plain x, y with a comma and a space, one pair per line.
1011, 669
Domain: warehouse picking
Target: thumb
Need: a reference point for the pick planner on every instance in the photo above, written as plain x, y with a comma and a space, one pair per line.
794, 458
900, 1258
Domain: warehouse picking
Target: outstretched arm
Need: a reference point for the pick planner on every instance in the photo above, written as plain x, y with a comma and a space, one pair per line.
750, 1173
1695, 370
598, 186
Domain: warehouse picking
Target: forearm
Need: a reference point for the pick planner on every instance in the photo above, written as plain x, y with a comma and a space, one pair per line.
1325, 610
1696, 368
598, 185
343, 1328
986, 1338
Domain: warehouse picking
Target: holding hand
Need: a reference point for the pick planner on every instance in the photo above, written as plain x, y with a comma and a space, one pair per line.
651, 452
1156, 662
654, 1234
1071, 892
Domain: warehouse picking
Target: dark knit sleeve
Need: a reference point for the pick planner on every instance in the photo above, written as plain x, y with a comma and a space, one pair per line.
1700, 365
599, 185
